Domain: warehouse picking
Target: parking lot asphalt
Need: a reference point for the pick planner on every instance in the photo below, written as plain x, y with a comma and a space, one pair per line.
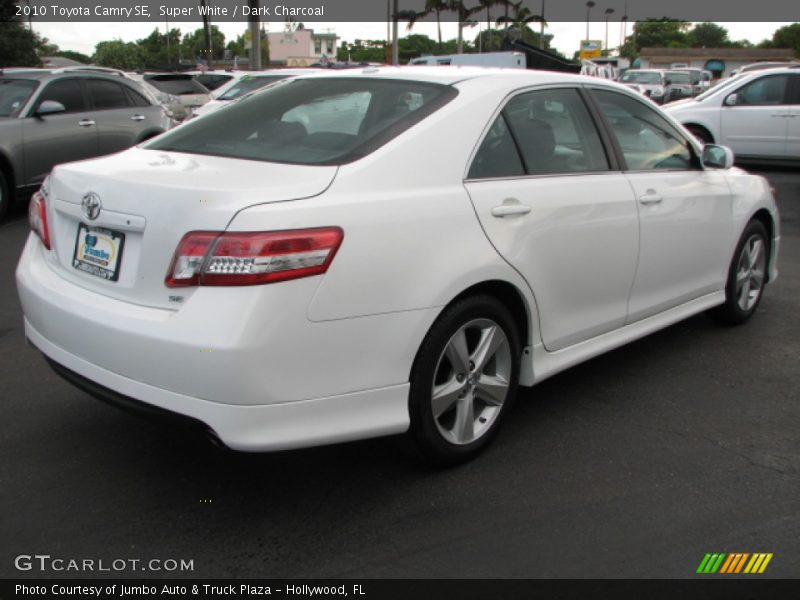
634, 464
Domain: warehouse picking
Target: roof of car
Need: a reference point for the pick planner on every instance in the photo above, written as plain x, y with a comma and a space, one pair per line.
448, 75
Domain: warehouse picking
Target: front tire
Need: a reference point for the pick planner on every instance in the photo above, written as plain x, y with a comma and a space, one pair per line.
746, 276
464, 380
701, 133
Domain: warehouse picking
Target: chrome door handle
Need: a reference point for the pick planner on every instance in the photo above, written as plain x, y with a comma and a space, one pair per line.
86, 123
650, 197
138, 118
507, 210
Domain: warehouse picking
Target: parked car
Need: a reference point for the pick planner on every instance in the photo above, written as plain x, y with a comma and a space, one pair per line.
679, 85
760, 66
181, 92
700, 79
652, 81
213, 79
246, 85
300, 268
49, 117
757, 114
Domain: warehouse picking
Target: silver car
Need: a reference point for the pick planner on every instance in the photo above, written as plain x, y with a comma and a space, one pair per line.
49, 117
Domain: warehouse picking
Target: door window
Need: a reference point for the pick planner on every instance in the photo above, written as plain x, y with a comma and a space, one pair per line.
647, 140
107, 95
765, 91
555, 133
66, 91
544, 132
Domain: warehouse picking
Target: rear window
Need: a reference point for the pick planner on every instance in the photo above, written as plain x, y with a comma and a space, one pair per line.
318, 121
176, 85
645, 77
248, 84
213, 81
14, 94
679, 77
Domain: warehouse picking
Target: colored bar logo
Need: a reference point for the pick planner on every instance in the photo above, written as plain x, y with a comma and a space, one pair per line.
734, 563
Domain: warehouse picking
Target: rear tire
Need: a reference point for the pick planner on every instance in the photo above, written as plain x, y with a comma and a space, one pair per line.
746, 276
464, 380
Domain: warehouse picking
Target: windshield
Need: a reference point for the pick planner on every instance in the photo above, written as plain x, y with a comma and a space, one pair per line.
248, 84
176, 85
319, 121
649, 77
14, 94
716, 88
679, 78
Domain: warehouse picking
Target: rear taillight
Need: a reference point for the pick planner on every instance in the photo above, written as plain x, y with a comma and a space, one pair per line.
37, 217
252, 258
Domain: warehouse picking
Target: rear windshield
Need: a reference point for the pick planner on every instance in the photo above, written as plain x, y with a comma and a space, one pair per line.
14, 94
647, 77
679, 77
177, 85
248, 84
316, 121
212, 81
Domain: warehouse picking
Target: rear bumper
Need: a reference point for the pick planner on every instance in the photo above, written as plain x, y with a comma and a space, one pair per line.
329, 420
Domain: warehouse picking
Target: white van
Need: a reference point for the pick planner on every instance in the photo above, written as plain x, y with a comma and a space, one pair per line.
512, 60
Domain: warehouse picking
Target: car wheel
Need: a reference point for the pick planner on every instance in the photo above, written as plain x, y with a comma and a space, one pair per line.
701, 133
5, 195
464, 380
746, 276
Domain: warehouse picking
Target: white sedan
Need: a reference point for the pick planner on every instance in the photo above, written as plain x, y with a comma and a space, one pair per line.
756, 114
357, 254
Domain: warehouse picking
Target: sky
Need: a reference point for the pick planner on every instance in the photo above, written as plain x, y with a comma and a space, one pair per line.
82, 37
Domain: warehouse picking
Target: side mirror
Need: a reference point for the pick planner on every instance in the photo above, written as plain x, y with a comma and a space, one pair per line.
50, 107
668, 81
717, 157
732, 100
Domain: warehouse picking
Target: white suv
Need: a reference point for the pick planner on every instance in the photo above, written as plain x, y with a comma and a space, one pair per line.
756, 114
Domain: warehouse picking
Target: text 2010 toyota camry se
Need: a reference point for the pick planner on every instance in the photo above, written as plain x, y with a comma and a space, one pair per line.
361, 254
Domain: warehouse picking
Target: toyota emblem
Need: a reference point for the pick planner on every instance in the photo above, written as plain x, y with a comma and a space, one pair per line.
91, 205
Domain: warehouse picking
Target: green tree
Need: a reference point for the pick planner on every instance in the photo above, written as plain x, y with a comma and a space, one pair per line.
193, 44
436, 7
72, 55
364, 51
156, 52
118, 55
656, 33
18, 45
519, 22
787, 36
708, 35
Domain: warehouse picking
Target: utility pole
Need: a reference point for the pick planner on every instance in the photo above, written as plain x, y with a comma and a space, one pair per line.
206, 36
395, 41
255, 35
541, 29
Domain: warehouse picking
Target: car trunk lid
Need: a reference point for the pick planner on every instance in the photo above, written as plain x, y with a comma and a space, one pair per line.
148, 201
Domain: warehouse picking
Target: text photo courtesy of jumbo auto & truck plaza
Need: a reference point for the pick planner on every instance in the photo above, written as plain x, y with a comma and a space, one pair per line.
401, 324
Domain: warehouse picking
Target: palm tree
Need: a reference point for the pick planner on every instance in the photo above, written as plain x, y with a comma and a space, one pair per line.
463, 13
488, 4
521, 19
431, 7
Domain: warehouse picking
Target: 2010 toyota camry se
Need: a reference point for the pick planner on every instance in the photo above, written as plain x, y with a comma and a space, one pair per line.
396, 250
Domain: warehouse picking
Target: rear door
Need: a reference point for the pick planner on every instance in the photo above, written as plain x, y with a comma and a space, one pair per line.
60, 137
685, 220
553, 205
119, 121
758, 123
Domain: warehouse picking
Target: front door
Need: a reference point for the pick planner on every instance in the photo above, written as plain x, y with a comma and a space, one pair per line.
545, 194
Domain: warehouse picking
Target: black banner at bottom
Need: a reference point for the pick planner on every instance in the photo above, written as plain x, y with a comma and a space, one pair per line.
402, 589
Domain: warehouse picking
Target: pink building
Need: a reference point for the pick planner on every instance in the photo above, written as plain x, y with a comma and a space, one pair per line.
302, 47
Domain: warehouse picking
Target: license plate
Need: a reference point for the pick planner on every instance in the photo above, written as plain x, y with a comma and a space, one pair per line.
98, 251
